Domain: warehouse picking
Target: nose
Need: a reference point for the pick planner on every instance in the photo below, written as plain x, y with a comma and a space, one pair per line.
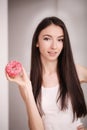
54, 44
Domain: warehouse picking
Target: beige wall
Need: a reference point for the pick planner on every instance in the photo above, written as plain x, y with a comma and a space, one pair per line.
24, 15
4, 122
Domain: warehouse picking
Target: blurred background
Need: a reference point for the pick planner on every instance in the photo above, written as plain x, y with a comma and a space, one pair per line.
19, 23
4, 100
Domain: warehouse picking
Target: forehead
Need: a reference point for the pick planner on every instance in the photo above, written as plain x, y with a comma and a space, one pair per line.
52, 30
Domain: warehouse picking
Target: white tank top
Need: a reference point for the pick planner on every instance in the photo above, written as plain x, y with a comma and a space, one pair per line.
53, 117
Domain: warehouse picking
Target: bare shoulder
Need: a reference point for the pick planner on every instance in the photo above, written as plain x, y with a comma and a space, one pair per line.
82, 73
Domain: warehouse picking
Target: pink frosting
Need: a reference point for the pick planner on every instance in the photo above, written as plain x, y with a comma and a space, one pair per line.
13, 68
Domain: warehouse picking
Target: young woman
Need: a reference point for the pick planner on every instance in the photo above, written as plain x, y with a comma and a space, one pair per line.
53, 96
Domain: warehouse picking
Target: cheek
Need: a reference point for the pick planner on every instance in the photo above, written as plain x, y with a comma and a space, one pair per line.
60, 46
43, 46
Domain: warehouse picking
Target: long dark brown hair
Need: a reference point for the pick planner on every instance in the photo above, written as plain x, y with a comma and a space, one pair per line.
66, 71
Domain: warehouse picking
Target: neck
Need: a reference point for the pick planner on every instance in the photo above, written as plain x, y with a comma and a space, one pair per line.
49, 67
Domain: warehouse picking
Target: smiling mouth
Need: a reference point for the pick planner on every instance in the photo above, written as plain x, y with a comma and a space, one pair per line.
52, 53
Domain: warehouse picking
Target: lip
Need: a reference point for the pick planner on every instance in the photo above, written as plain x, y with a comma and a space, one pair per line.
52, 53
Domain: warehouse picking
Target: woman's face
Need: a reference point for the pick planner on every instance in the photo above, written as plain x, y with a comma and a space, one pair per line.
50, 42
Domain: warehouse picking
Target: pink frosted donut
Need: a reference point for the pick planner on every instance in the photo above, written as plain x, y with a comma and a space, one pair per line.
13, 68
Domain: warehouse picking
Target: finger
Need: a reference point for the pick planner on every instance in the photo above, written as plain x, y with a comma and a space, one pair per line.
12, 79
9, 78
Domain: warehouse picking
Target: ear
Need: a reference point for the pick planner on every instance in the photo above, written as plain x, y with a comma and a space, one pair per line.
37, 45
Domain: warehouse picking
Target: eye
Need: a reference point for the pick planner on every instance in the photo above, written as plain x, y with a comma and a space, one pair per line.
46, 38
60, 40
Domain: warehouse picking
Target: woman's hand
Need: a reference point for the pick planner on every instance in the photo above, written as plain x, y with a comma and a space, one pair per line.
20, 78
23, 82
25, 87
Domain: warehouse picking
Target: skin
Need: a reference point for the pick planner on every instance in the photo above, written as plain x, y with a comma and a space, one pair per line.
50, 44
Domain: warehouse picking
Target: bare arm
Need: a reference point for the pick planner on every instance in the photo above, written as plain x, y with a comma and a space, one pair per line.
34, 119
81, 127
82, 73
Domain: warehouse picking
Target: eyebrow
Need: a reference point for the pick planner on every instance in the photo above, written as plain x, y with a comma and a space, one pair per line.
61, 36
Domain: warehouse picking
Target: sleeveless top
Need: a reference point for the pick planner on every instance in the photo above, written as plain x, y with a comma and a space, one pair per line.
53, 118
